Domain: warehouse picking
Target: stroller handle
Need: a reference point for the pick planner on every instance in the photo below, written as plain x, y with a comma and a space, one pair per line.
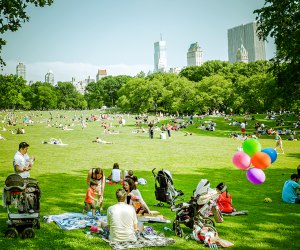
153, 171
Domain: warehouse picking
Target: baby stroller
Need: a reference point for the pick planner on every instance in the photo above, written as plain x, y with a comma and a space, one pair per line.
164, 189
21, 197
194, 214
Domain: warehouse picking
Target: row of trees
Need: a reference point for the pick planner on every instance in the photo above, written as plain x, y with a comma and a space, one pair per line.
218, 85
16, 94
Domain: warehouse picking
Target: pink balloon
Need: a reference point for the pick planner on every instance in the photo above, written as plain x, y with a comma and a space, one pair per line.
241, 160
256, 175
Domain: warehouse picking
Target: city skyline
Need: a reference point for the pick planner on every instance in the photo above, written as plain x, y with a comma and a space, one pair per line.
120, 40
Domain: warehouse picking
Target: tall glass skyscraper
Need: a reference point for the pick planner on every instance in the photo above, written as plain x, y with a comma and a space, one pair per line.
160, 56
194, 55
245, 35
21, 70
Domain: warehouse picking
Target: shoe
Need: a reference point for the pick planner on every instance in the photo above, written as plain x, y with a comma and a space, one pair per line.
31, 211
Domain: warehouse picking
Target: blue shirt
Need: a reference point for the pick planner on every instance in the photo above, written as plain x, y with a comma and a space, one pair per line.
289, 194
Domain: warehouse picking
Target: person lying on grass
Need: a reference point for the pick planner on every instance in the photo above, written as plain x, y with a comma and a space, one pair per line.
98, 140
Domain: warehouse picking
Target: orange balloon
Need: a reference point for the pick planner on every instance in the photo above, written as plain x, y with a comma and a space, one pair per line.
261, 160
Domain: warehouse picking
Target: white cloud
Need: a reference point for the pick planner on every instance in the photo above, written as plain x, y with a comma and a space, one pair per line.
65, 71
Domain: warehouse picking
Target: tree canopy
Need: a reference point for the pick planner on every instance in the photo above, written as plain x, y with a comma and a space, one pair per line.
280, 19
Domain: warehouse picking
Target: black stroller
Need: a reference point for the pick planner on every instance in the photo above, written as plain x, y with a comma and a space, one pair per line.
21, 197
194, 214
164, 189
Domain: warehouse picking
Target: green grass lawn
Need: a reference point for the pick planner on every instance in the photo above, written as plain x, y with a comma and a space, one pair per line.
62, 171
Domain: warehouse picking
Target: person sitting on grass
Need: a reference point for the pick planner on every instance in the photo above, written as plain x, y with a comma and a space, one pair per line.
121, 220
290, 189
90, 201
224, 200
134, 197
115, 175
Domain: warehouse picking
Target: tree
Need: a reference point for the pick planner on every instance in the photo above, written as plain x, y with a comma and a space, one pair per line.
11, 92
280, 19
43, 96
196, 73
68, 96
13, 13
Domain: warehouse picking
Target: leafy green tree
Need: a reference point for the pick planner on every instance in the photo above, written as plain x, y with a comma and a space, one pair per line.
11, 92
43, 96
13, 13
280, 19
218, 90
68, 96
111, 86
134, 96
196, 73
94, 95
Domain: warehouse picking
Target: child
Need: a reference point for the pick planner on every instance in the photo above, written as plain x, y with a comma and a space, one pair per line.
90, 201
115, 175
130, 175
224, 200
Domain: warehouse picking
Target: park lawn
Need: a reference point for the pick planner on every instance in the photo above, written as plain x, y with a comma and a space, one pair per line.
61, 172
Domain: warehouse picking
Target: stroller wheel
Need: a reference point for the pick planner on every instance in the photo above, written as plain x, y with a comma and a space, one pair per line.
37, 224
28, 233
11, 233
177, 229
208, 221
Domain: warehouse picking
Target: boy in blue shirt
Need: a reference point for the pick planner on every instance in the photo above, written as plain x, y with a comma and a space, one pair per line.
289, 191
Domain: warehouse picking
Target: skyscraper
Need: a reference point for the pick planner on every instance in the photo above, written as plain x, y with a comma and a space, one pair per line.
49, 77
194, 55
21, 70
245, 34
160, 56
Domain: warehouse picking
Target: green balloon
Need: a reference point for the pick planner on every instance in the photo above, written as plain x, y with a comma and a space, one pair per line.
251, 146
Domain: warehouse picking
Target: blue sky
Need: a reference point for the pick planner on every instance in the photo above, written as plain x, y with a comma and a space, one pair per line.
75, 38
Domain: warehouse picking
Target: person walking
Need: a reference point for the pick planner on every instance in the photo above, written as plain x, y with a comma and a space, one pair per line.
278, 140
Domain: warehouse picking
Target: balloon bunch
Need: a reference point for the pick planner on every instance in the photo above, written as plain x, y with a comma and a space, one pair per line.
256, 157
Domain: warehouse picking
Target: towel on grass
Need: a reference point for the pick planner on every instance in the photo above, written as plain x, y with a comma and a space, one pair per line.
155, 241
71, 221
241, 212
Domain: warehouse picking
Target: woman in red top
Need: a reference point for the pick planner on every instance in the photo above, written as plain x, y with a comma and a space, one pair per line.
224, 200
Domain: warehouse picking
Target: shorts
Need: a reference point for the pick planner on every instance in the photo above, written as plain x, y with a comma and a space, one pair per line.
89, 206
243, 130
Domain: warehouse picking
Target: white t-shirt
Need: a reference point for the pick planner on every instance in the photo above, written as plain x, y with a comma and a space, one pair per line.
121, 219
116, 175
22, 161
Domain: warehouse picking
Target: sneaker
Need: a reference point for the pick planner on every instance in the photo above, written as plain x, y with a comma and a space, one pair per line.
31, 211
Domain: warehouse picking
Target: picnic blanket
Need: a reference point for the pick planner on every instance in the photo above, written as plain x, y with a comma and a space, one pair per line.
71, 221
144, 240
154, 218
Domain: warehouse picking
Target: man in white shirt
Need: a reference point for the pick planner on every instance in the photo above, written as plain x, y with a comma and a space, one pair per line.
22, 162
121, 219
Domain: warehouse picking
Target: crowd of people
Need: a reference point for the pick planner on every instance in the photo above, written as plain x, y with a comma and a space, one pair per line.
122, 217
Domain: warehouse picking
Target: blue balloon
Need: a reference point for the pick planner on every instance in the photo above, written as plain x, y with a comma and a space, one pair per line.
271, 152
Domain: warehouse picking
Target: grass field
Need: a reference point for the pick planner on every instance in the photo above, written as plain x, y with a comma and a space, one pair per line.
62, 170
